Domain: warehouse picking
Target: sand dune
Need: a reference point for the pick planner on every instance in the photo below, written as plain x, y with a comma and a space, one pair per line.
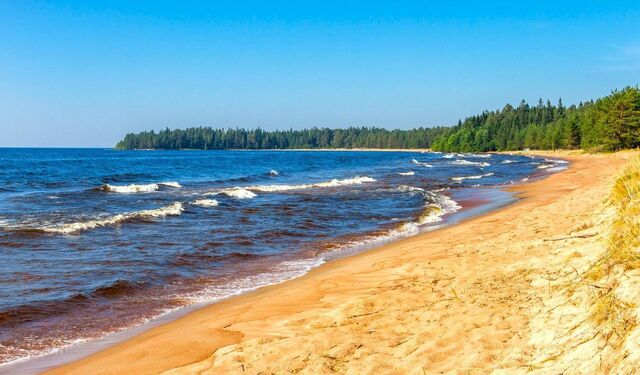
479, 296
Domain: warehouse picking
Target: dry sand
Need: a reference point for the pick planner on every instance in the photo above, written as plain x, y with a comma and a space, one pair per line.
473, 297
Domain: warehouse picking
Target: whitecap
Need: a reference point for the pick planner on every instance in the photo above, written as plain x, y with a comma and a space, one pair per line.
239, 193
133, 188
508, 161
440, 206
205, 202
482, 156
476, 177
172, 184
467, 162
173, 209
139, 188
410, 173
347, 181
414, 161
273, 172
333, 183
406, 188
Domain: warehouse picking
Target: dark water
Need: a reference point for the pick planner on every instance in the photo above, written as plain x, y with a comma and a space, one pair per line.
94, 241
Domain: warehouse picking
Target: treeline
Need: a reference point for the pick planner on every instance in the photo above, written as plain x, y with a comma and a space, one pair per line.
609, 123
207, 138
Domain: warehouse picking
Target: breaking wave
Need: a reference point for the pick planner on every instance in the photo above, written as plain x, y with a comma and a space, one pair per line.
173, 209
482, 156
276, 188
410, 173
238, 193
414, 161
205, 202
139, 188
477, 177
439, 205
467, 162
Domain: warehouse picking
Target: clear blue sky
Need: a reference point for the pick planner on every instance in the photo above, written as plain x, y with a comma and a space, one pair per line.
84, 73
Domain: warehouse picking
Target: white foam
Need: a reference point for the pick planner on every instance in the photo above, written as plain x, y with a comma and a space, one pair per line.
545, 166
205, 202
273, 172
557, 169
133, 188
172, 184
467, 162
406, 188
414, 161
347, 181
476, 177
508, 161
173, 209
483, 156
433, 212
140, 188
333, 183
239, 193
410, 173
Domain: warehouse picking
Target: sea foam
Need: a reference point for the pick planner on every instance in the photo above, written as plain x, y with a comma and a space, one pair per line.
332, 183
238, 193
414, 161
476, 177
173, 209
467, 162
205, 202
139, 188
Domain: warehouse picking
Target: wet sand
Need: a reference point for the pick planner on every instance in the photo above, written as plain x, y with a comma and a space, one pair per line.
457, 299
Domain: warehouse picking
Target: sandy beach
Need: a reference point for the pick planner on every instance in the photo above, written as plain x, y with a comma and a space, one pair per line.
476, 296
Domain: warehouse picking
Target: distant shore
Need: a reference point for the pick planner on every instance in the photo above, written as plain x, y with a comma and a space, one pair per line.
457, 298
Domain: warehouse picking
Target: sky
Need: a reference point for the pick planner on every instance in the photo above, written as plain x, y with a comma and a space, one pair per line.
85, 73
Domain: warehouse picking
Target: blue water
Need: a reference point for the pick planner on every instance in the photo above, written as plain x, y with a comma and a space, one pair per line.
96, 240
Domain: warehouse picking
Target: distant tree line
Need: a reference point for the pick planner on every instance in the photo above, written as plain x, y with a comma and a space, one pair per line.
609, 123
207, 138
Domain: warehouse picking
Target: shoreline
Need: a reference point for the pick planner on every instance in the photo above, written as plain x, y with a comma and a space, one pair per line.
220, 316
484, 200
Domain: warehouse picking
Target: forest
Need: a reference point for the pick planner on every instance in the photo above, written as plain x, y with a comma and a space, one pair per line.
606, 124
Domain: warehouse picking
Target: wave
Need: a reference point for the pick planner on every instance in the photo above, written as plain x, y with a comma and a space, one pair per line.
30, 312
238, 193
410, 173
347, 181
508, 161
142, 188
205, 202
434, 212
462, 178
414, 161
439, 205
482, 156
173, 209
408, 189
333, 183
273, 173
467, 162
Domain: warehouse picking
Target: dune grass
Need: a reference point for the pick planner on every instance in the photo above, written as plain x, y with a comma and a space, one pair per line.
613, 317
